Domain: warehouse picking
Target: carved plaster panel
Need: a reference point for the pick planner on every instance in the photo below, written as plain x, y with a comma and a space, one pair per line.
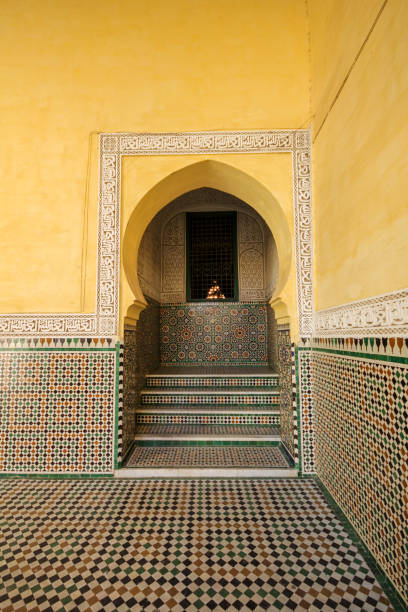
104, 321
249, 229
173, 260
251, 266
251, 250
383, 315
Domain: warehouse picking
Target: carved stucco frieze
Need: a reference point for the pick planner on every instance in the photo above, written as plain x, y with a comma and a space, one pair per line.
104, 321
382, 315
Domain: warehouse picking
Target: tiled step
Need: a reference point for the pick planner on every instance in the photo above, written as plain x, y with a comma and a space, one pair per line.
164, 415
247, 398
164, 459
207, 432
207, 408
215, 380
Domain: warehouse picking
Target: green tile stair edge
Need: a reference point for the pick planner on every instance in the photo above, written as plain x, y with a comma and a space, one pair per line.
181, 443
385, 583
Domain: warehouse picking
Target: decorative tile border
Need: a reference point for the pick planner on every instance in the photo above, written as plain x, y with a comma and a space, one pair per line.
383, 315
206, 430
212, 381
218, 399
120, 404
295, 412
285, 380
305, 398
56, 343
104, 322
209, 419
370, 347
58, 411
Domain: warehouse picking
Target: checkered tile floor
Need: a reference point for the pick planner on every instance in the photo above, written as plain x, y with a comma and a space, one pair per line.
207, 456
208, 430
104, 546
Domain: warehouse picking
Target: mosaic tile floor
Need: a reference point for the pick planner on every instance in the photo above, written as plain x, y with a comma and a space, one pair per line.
207, 456
105, 545
208, 430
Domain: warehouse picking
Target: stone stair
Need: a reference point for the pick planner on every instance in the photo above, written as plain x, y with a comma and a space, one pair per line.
209, 425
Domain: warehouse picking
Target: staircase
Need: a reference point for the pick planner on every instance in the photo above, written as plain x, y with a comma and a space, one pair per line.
201, 423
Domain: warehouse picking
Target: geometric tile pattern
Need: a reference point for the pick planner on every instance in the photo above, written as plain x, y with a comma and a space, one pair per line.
215, 430
120, 545
58, 410
306, 410
130, 389
397, 346
120, 404
141, 355
361, 420
209, 419
212, 381
48, 342
272, 338
286, 388
209, 398
217, 334
233, 455
296, 417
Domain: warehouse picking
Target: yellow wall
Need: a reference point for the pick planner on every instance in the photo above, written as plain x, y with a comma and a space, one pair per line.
76, 68
359, 153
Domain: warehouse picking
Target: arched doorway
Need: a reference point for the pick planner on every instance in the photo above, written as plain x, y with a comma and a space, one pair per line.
180, 340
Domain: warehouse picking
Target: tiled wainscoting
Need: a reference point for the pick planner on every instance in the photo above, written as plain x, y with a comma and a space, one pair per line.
360, 395
58, 406
141, 355
288, 407
220, 334
305, 408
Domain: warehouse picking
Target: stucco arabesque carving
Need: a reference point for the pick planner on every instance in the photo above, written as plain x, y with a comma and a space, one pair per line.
104, 322
383, 315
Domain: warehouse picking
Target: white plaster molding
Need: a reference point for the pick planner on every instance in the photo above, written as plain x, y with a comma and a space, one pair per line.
382, 315
104, 321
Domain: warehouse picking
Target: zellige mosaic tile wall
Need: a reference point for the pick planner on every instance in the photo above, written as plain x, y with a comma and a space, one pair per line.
305, 407
360, 394
141, 356
57, 407
215, 334
286, 389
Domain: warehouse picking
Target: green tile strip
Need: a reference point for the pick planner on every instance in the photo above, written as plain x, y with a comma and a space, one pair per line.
384, 581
